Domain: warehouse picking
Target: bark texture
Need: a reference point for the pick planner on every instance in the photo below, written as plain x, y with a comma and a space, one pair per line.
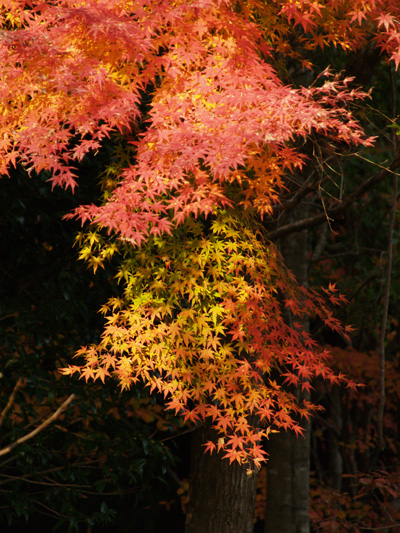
221, 495
288, 467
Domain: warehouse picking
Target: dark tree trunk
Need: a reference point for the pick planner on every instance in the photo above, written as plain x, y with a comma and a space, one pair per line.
288, 472
278, 515
221, 495
288, 467
335, 462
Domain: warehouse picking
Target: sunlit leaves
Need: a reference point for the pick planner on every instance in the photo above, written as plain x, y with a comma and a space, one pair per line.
207, 332
219, 114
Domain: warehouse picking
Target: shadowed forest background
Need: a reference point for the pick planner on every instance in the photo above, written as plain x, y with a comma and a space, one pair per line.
118, 462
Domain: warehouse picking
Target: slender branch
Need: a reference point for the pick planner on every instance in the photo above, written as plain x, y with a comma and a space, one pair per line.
381, 346
189, 430
82, 488
4, 317
312, 221
4, 463
308, 186
26, 477
42, 426
379, 528
50, 512
11, 399
50, 482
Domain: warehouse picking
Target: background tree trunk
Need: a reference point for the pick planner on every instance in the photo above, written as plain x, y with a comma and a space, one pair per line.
335, 461
221, 495
288, 467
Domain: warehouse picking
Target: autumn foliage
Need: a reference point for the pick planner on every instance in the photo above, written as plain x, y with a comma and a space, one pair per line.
208, 316
201, 321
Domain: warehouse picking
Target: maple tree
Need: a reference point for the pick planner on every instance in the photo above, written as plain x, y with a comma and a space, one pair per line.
199, 100
218, 138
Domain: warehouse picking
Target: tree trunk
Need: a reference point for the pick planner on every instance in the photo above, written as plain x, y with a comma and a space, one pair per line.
335, 462
288, 472
288, 467
221, 495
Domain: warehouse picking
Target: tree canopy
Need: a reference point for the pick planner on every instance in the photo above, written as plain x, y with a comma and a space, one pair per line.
207, 122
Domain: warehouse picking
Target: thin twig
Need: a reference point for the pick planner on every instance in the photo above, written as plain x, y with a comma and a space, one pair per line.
11, 399
42, 426
26, 477
189, 430
379, 528
312, 221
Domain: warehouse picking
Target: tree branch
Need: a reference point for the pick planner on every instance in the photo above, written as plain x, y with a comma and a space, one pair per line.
312, 221
11, 399
42, 426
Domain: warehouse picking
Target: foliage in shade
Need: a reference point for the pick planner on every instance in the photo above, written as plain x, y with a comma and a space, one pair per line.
103, 447
371, 483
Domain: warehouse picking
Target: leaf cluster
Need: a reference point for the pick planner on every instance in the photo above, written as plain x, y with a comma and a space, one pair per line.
201, 320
